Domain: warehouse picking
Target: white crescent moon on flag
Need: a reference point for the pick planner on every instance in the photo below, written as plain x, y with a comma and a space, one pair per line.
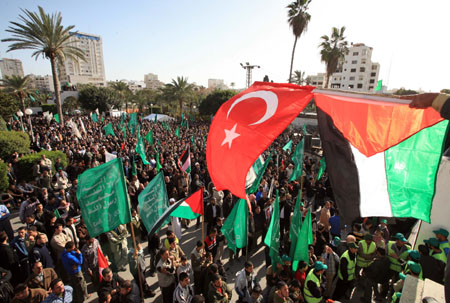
269, 97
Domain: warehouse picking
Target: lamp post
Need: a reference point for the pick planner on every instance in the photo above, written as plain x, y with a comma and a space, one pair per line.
151, 108
29, 112
20, 115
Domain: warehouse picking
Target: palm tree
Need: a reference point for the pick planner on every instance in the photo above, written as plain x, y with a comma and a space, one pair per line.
298, 19
123, 90
18, 86
333, 51
180, 90
298, 77
45, 34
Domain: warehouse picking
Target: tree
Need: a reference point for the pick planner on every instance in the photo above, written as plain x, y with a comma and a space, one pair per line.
45, 34
147, 99
266, 79
179, 90
11, 142
298, 77
404, 92
91, 97
298, 19
18, 86
333, 51
70, 104
8, 105
214, 100
123, 91
445, 91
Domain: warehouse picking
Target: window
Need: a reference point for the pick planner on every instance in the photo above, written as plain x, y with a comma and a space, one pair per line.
319, 83
373, 74
355, 53
372, 81
370, 87
374, 67
363, 61
361, 78
353, 70
352, 78
364, 52
355, 62
345, 70
362, 69
360, 85
350, 86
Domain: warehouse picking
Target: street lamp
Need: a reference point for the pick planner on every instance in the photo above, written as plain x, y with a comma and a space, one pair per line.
151, 108
29, 112
20, 115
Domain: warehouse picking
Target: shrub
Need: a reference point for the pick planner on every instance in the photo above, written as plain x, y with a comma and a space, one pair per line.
49, 108
27, 162
13, 141
2, 124
4, 182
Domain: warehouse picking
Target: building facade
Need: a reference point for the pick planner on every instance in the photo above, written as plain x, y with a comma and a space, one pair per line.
151, 81
316, 80
11, 67
43, 84
90, 71
216, 84
357, 72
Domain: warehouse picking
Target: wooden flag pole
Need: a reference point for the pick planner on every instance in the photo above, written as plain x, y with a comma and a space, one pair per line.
137, 262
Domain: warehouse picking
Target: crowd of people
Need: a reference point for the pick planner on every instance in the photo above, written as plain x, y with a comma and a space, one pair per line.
52, 257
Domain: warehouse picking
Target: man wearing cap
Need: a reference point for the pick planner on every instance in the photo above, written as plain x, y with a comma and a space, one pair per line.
384, 230
377, 273
397, 251
346, 271
414, 269
314, 289
436, 253
366, 252
442, 236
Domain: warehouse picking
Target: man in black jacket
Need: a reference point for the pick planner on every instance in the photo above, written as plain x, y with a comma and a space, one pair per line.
376, 273
129, 292
110, 284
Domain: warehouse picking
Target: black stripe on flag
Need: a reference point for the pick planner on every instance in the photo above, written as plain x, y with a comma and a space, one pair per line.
341, 168
183, 159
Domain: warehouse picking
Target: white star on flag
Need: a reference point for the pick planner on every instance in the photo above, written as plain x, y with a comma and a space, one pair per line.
230, 135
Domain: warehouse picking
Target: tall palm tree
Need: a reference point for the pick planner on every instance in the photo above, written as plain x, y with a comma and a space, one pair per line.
180, 90
298, 19
44, 34
123, 90
298, 77
18, 86
333, 51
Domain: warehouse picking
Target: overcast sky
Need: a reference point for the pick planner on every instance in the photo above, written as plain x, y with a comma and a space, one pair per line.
208, 39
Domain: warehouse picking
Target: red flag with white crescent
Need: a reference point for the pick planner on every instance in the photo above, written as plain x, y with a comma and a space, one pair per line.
102, 262
246, 125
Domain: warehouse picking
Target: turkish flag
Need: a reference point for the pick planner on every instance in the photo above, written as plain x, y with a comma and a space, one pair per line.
246, 125
102, 262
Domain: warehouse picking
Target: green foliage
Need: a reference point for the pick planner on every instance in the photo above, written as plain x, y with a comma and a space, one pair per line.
214, 100
2, 125
333, 51
49, 108
4, 182
91, 97
11, 141
27, 162
8, 105
145, 98
402, 92
445, 91
179, 90
70, 104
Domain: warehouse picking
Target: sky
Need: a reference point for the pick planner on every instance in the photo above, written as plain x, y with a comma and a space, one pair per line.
209, 39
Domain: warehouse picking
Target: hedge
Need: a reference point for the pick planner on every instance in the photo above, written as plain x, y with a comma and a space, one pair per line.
27, 162
4, 182
12, 141
3, 124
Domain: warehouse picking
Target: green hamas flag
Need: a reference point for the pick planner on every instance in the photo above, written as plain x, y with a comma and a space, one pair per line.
94, 117
121, 121
259, 170
57, 214
109, 130
235, 226
133, 166
149, 137
193, 143
132, 124
156, 118
158, 164
305, 132
273, 233
177, 132
32, 98
124, 130
56, 116
103, 197
140, 149
153, 201
305, 238
288, 146
165, 125
323, 166
103, 119
296, 224
297, 157
15, 117
379, 85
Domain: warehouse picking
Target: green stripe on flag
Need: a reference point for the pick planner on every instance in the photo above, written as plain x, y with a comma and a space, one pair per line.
273, 233
411, 171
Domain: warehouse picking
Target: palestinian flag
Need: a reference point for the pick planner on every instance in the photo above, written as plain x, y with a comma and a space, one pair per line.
190, 208
184, 163
382, 156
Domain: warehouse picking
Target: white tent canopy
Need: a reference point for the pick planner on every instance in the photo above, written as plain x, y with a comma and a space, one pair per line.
159, 117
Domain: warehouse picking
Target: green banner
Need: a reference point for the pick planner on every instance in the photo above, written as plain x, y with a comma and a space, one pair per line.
235, 226
132, 124
109, 130
273, 233
288, 146
103, 197
94, 117
140, 149
296, 224
177, 132
323, 166
153, 201
56, 116
305, 238
149, 137
259, 169
297, 158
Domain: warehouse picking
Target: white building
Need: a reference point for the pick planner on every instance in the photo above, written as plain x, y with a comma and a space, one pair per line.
11, 67
151, 81
42, 83
216, 84
317, 80
357, 72
91, 71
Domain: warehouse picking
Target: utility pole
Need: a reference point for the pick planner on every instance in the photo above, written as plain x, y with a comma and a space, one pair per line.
249, 69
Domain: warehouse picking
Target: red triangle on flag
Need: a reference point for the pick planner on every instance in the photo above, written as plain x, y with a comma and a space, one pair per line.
102, 262
195, 202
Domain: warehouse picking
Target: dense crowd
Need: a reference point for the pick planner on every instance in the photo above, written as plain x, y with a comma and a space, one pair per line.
52, 257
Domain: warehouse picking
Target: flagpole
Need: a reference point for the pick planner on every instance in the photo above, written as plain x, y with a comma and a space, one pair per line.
137, 262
